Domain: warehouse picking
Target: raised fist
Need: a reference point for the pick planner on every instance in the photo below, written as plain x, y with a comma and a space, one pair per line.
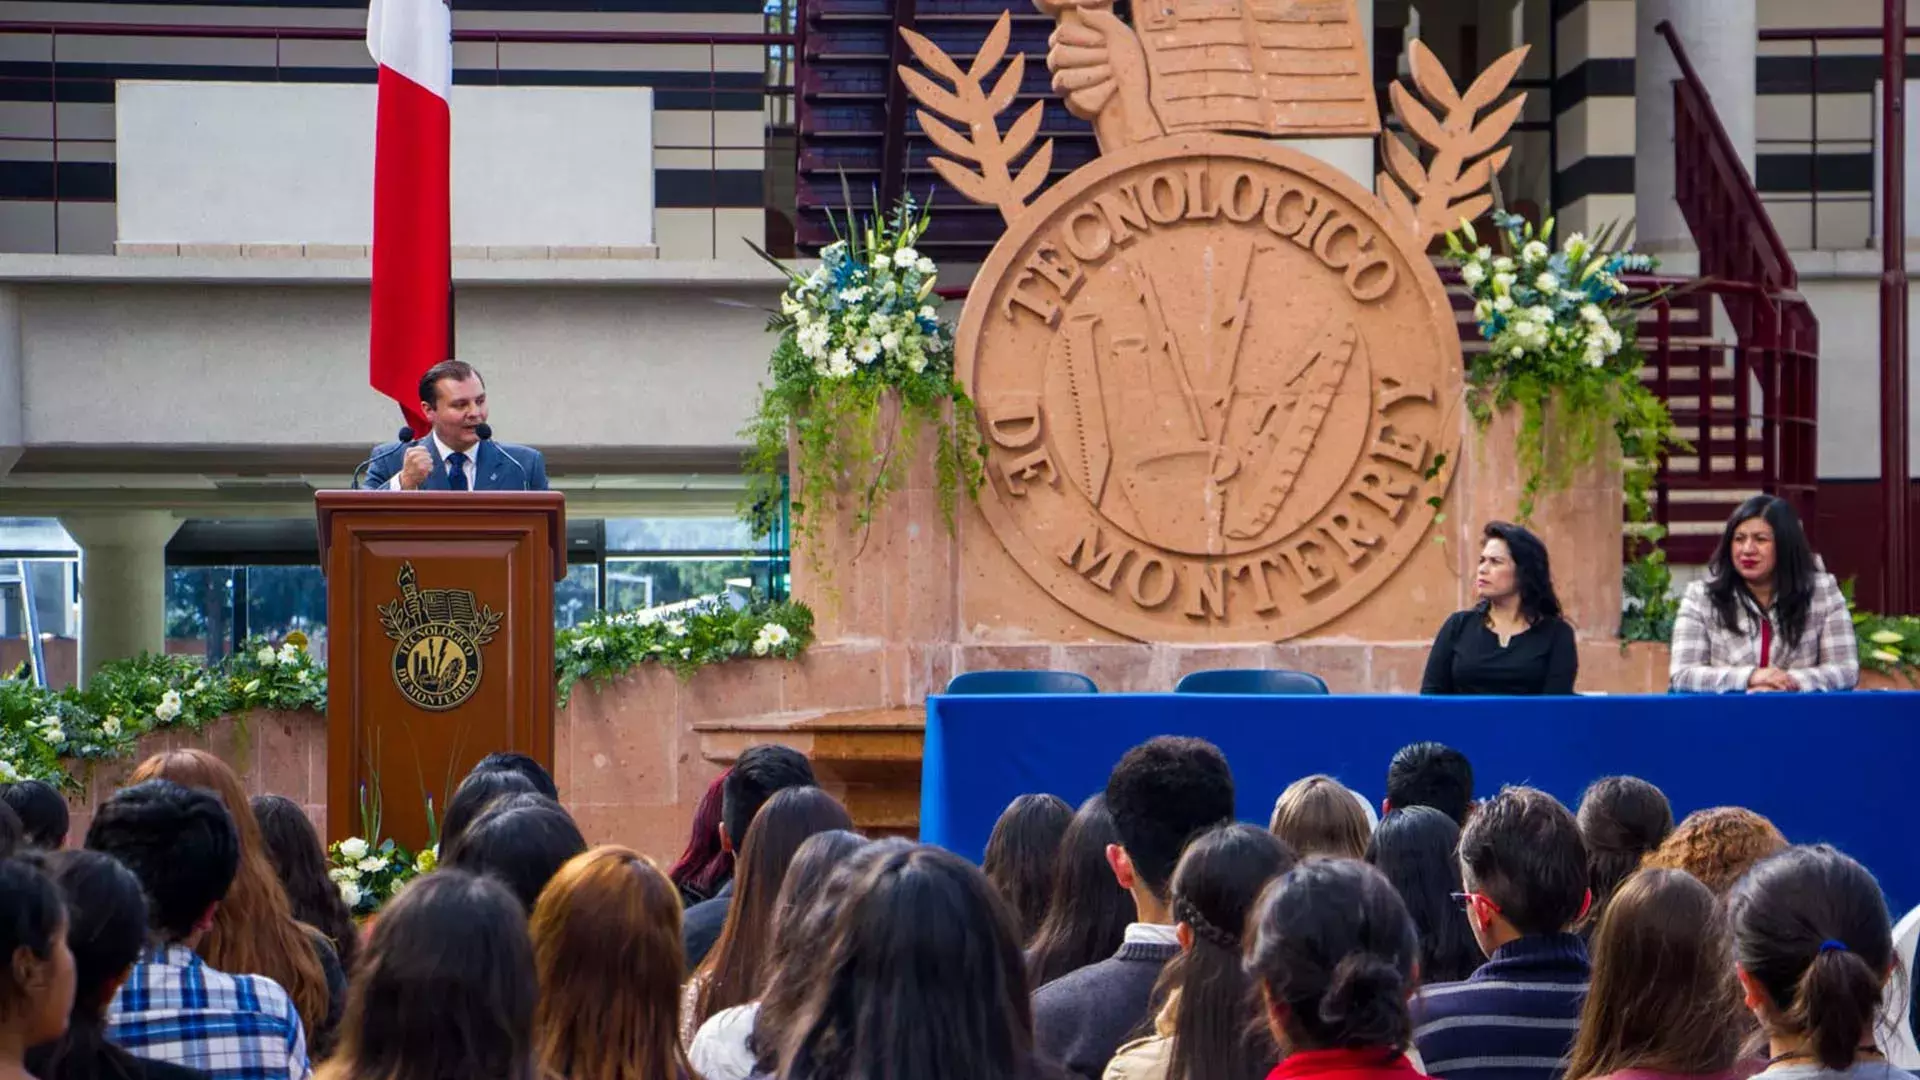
415, 469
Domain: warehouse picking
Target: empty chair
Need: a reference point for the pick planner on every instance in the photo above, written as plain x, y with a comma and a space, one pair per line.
1251, 681
1022, 682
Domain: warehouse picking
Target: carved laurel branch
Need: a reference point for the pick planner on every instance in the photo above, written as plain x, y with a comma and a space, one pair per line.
970, 104
1432, 198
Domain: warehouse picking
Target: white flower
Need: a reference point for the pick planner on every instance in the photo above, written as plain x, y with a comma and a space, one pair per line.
1503, 265
1483, 310
1535, 251
1577, 246
819, 275
905, 257
916, 361
266, 656
890, 341
1473, 274
686, 654
1484, 254
676, 628
1547, 283
790, 306
776, 634
1504, 282
111, 725
1518, 352
854, 295
926, 312
343, 873
304, 677
1540, 313
372, 864
350, 893
925, 266
7, 772
289, 654
839, 364
866, 350
353, 848
168, 708
1503, 304
1525, 330
1592, 313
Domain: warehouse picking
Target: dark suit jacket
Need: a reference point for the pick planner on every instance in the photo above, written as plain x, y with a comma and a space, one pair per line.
497, 466
701, 925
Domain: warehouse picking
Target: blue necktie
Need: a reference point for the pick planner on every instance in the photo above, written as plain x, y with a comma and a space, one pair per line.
456, 471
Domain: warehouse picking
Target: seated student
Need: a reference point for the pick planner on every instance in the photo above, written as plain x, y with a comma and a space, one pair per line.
533, 772
1814, 949
42, 810
182, 845
300, 862
478, 792
1087, 910
1767, 618
756, 775
1162, 794
1207, 1027
1514, 641
1664, 1004
1430, 774
1318, 815
1621, 819
445, 987
703, 865
106, 931
1717, 845
520, 841
36, 980
1525, 873
1334, 952
1021, 855
1415, 849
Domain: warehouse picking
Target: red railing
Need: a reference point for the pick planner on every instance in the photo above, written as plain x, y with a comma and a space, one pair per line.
777, 84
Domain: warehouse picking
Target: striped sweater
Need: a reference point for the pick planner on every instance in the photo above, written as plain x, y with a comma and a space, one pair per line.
1513, 1019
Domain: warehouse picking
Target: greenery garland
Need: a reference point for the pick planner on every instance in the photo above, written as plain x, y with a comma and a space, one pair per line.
861, 331
712, 632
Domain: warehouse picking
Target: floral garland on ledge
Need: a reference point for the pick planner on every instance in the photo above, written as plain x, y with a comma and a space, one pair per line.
712, 632
1561, 326
859, 332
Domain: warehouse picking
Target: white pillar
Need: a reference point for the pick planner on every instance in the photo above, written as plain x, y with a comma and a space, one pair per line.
123, 583
1353, 156
1721, 38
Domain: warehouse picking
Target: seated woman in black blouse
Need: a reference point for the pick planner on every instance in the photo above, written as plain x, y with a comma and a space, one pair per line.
1514, 640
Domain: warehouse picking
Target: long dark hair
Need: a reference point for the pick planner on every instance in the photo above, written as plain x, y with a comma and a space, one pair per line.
477, 792
1218, 1029
1810, 926
704, 865
1532, 573
1663, 997
1417, 849
734, 972
1087, 911
1332, 941
106, 930
1622, 818
1793, 571
294, 850
445, 987
923, 979
1021, 854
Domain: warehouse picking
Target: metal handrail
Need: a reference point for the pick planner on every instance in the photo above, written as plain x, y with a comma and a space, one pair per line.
350, 33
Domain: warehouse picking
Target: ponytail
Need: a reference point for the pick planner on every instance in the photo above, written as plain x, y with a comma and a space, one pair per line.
1366, 1002
1835, 1004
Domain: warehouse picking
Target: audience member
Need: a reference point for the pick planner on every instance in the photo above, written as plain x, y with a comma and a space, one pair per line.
1087, 910
1162, 793
704, 865
923, 979
1767, 617
1621, 819
301, 864
606, 947
472, 798
1334, 953
1814, 948
106, 931
1525, 874
1515, 640
1209, 1026
1417, 849
13, 833
735, 971
254, 931
42, 810
520, 841
1664, 1004
1718, 846
534, 772
36, 983
445, 987
175, 1006
1317, 815
1021, 855
725, 1047
1430, 774
757, 774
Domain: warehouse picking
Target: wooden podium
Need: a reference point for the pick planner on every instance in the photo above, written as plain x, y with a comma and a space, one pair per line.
440, 643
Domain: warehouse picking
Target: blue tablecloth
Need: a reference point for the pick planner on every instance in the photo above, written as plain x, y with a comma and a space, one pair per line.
1839, 768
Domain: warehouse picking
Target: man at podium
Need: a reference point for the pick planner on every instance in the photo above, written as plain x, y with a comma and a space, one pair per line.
459, 454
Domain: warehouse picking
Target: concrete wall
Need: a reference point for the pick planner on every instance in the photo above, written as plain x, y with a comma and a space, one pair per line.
287, 163
1844, 291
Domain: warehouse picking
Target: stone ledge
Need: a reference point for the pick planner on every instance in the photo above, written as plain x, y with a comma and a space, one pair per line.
217, 265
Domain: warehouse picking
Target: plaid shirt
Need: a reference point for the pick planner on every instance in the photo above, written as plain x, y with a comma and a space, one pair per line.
175, 1008
1712, 659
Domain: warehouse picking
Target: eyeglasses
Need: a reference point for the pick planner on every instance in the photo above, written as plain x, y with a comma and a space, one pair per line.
1466, 899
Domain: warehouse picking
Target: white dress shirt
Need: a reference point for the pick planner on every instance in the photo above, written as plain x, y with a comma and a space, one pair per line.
472, 453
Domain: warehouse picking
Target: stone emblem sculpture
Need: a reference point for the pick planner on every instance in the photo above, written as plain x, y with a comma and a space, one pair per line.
1218, 379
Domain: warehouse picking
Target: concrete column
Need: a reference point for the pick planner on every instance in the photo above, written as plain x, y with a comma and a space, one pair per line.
1721, 38
13, 414
123, 583
1352, 156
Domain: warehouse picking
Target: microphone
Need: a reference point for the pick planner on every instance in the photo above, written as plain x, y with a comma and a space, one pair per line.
485, 431
405, 438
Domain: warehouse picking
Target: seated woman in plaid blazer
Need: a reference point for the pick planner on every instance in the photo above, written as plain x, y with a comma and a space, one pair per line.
1768, 618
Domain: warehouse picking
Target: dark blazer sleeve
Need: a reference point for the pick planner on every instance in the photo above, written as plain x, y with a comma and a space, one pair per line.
536, 471
1439, 676
1563, 660
380, 471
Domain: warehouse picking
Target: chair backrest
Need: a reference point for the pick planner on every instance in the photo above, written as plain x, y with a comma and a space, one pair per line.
1251, 681
1901, 1021
1021, 682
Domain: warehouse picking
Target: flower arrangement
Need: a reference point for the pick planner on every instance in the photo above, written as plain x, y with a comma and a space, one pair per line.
1559, 324
369, 873
607, 646
859, 331
1889, 644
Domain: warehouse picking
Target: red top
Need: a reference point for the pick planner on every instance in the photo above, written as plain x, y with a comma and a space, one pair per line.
1375, 1063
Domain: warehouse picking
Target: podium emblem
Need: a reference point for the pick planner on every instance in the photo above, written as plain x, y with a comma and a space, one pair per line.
438, 635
